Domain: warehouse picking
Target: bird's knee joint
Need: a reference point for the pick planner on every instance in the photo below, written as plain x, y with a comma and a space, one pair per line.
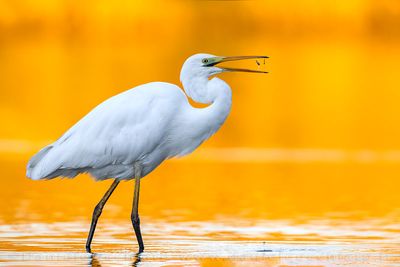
135, 219
97, 210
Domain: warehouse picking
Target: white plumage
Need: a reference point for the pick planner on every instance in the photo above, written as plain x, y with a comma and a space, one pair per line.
140, 127
130, 134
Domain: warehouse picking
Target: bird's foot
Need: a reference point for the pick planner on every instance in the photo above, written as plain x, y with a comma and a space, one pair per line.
141, 249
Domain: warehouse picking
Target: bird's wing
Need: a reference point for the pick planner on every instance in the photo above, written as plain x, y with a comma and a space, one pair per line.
119, 131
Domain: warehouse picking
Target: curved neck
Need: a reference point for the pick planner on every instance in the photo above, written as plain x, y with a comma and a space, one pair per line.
215, 91
220, 95
197, 89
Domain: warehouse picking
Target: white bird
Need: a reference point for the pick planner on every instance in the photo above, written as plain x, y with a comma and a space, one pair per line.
130, 134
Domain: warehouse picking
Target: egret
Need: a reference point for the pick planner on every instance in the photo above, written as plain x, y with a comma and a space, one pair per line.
130, 134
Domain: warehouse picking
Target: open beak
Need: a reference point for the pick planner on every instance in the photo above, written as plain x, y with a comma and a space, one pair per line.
217, 60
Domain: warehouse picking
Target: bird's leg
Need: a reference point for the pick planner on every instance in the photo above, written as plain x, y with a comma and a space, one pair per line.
135, 213
97, 212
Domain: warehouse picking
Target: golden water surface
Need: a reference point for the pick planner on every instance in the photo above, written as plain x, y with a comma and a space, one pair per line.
305, 171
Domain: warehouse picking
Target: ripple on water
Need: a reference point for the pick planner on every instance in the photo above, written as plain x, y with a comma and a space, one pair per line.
223, 242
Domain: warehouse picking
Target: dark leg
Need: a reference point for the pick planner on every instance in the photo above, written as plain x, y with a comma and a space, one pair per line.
135, 213
97, 211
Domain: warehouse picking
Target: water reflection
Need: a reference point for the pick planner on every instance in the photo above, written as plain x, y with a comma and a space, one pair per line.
137, 259
274, 242
277, 214
223, 253
95, 261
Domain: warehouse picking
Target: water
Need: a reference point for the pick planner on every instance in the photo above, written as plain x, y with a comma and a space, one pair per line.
218, 243
205, 212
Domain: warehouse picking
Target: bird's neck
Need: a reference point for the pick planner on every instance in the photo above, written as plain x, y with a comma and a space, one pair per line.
215, 92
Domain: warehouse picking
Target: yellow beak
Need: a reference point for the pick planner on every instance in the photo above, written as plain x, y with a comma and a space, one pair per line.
217, 60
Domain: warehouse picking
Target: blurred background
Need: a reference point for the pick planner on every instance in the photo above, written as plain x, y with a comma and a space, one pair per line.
318, 137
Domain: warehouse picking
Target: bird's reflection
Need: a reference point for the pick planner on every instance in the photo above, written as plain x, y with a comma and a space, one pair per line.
136, 260
95, 262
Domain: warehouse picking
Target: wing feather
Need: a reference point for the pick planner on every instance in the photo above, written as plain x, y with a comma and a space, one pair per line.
115, 134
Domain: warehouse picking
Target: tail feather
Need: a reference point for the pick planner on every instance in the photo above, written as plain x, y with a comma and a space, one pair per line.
49, 163
36, 169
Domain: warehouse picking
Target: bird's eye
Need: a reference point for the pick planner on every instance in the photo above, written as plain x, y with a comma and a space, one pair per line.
205, 60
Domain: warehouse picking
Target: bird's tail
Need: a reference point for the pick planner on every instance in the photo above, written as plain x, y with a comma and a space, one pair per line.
36, 168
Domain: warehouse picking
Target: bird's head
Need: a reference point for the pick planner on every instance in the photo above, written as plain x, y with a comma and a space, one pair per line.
198, 68
206, 65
